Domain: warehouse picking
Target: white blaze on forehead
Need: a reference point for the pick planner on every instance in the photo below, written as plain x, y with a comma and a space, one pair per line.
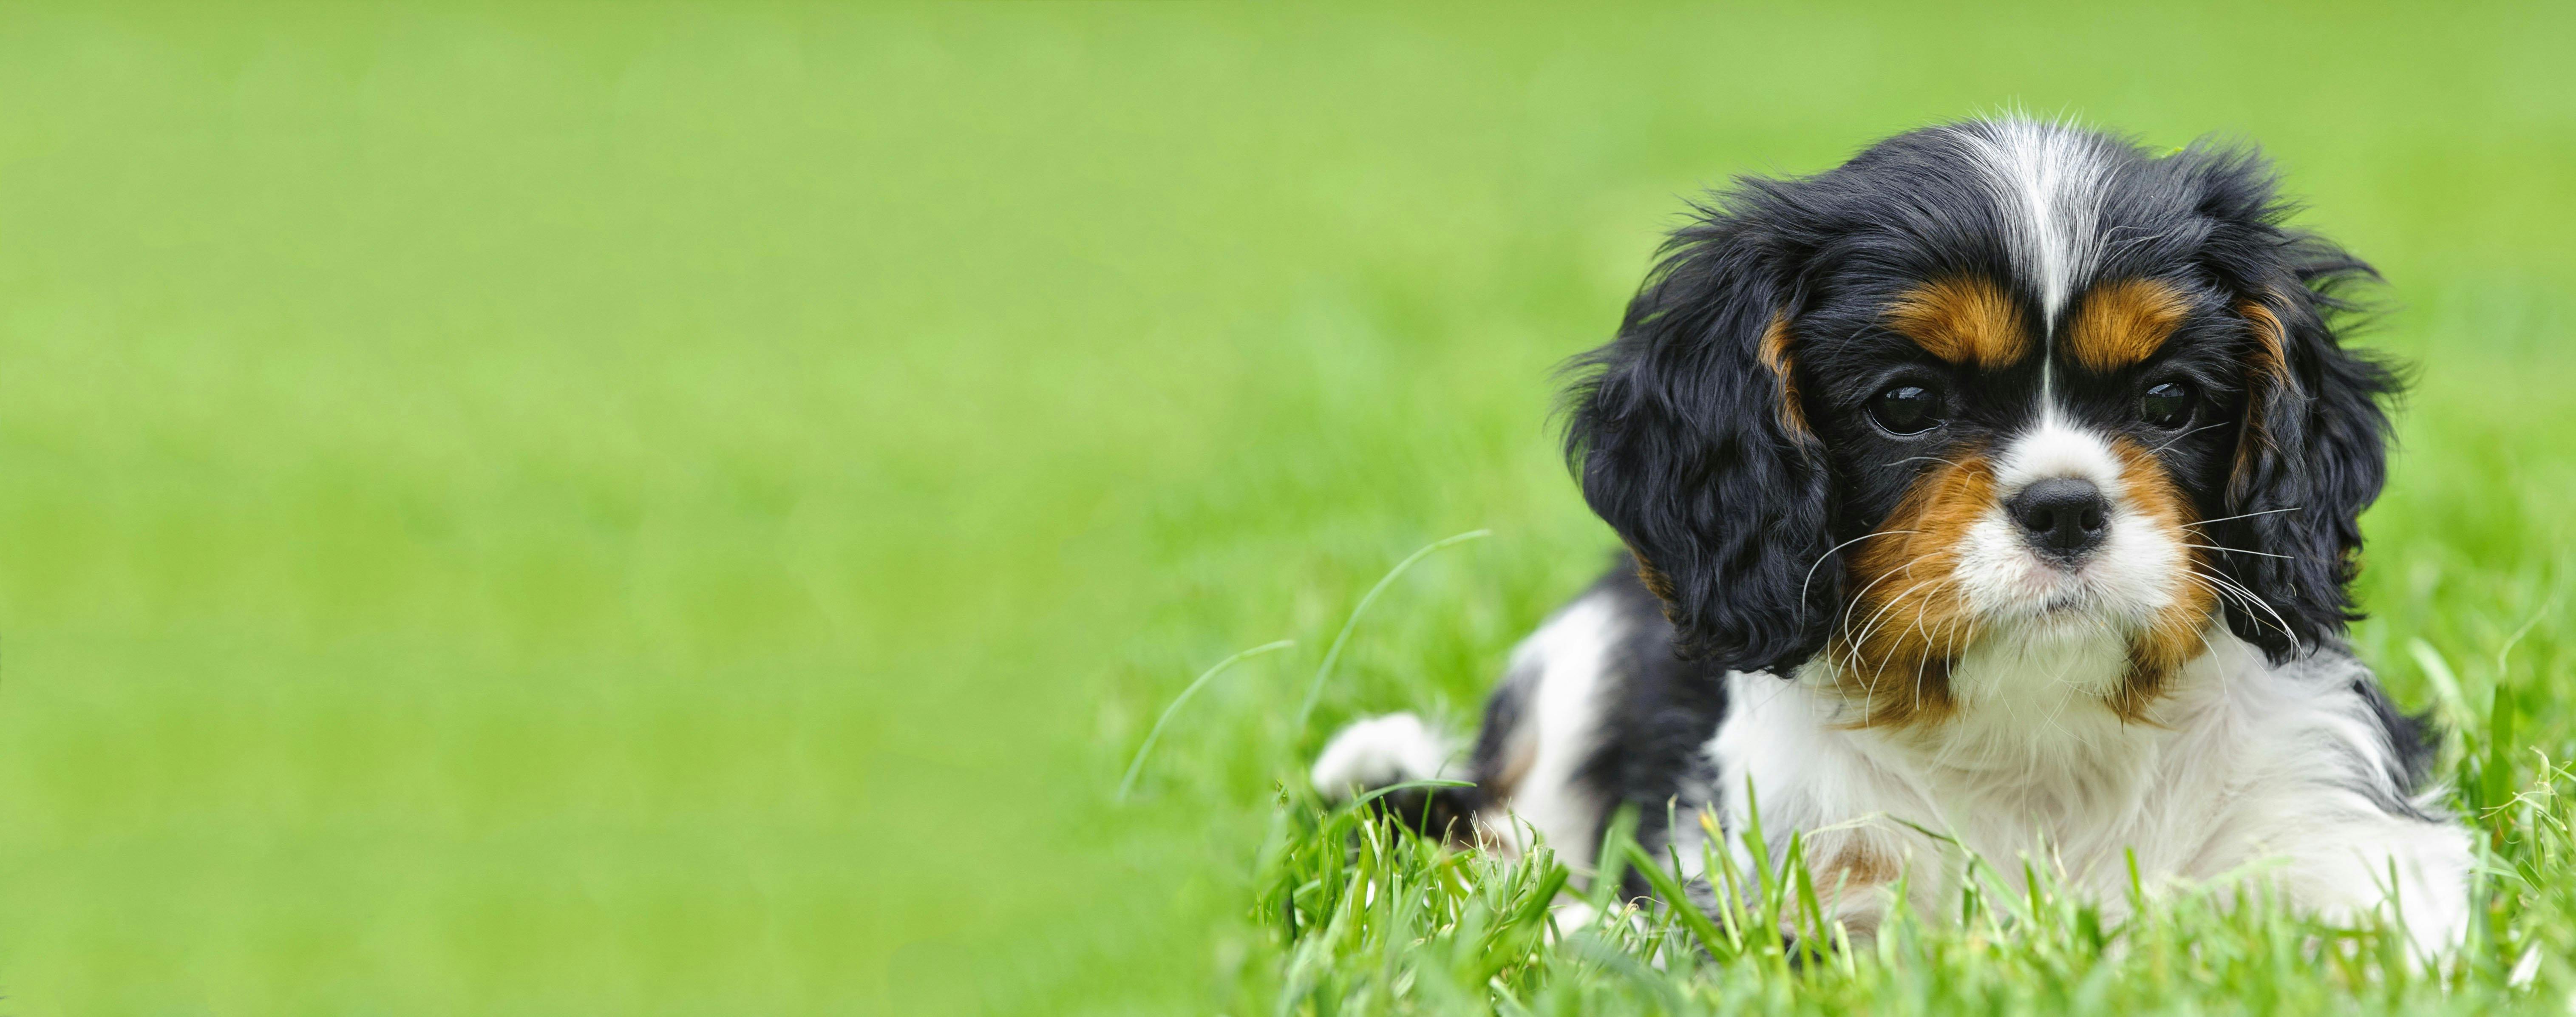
2048, 179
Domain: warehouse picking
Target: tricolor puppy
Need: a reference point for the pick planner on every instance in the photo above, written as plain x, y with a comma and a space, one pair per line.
1999, 484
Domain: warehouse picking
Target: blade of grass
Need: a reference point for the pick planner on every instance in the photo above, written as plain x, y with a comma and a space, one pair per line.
1710, 937
1811, 925
1617, 836
2446, 685
1534, 910
1334, 653
1137, 765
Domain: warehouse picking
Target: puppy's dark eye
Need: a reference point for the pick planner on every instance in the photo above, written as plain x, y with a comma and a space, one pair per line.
2168, 404
1906, 409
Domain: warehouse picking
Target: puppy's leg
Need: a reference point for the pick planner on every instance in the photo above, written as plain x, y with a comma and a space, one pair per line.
1541, 726
1384, 751
2344, 867
2361, 831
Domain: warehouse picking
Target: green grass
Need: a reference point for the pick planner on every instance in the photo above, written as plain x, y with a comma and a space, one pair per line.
670, 509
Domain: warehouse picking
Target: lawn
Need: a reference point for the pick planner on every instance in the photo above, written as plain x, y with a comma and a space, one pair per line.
688, 509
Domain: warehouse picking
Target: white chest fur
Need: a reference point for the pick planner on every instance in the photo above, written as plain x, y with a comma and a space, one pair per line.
2242, 764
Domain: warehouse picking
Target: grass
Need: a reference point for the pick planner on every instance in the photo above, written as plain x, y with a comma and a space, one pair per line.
1397, 925
531, 509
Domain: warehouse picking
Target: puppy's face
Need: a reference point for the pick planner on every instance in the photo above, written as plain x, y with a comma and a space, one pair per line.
1989, 385
2014, 478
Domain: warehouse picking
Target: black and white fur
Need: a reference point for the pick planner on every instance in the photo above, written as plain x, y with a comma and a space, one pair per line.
1742, 486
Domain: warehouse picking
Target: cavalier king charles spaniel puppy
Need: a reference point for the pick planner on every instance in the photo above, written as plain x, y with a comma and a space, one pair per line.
1991, 494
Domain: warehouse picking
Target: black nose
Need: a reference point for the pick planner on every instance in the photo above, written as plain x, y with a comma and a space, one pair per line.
2063, 516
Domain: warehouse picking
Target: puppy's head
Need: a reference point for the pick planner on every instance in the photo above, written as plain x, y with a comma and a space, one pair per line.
1989, 381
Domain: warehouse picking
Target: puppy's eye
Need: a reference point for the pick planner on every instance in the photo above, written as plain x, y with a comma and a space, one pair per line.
2168, 404
1906, 409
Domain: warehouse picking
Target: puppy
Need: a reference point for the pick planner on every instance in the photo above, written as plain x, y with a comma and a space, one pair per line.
1994, 492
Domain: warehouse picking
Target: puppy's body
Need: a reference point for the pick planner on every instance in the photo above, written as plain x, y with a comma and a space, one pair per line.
2306, 765
1994, 493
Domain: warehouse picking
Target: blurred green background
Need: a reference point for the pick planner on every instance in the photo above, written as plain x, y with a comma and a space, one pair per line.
674, 509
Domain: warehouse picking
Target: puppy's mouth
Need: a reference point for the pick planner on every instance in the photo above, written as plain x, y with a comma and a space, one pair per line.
2069, 608
2064, 604
2050, 586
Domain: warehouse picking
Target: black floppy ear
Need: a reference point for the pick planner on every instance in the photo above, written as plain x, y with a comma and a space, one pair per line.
1690, 442
2312, 451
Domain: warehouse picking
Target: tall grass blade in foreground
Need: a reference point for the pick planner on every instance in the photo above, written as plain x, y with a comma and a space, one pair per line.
1138, 764
1315, 688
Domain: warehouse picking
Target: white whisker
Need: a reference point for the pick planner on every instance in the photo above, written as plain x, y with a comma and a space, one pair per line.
2248, 515
1829, 553
2236, 550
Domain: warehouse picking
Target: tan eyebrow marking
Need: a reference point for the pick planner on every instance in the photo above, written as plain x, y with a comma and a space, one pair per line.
2122, 323
1964, 321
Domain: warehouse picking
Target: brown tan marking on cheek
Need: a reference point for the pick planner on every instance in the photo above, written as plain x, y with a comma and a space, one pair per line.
2125, 322
1964, 321
2174, 636
1774, 354
1893, 649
